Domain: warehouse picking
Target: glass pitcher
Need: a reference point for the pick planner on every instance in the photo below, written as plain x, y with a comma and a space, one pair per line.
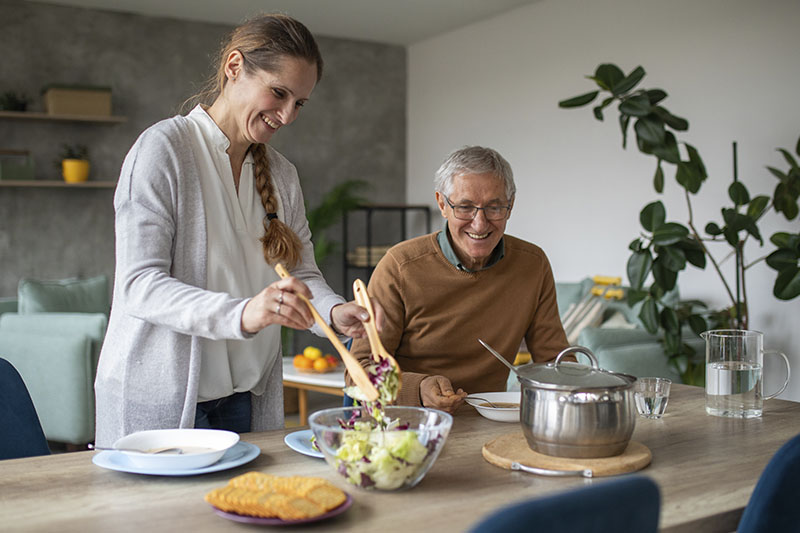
734, 372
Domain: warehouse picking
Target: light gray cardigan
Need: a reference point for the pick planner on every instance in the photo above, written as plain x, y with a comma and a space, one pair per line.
149, 368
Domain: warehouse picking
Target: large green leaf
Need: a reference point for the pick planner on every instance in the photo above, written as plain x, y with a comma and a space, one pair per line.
658, 178
653, 216
787, 285
694, 252
655, 95
672, 257
663, 276
738, 193
788, 157
783, 259
608, 75
650, 129
637, 105
634, 296
688, 177
669, 320
649, 315
757, 206
638, 268
669, 150
676, 123
698, 324
783, 239
669, 233
630, 81
578, 101
712, 228
624, 120
778, 174
785, 200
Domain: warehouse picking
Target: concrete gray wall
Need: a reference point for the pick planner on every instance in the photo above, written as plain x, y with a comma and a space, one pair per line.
353, 127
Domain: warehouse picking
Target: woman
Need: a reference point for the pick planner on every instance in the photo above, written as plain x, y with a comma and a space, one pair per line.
204, 209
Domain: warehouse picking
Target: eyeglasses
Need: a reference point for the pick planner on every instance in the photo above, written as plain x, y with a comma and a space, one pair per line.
468, 212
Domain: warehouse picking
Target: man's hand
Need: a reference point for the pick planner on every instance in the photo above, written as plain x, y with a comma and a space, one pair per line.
437, 392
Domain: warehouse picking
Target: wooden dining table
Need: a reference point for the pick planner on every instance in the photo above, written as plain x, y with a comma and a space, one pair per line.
705, 466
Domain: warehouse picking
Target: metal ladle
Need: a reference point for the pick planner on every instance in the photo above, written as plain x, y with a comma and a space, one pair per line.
499, 357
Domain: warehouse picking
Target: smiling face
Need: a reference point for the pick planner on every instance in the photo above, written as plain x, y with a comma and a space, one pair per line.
474, 240
258, 103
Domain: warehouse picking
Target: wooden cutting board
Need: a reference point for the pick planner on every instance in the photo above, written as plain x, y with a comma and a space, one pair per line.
513, 447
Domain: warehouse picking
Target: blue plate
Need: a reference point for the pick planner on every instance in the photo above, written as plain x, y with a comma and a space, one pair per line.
239, 454
300, 441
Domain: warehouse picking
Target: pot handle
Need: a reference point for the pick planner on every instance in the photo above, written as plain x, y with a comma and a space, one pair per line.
578, 349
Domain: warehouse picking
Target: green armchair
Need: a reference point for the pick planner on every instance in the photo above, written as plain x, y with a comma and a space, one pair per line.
630, 349
52, 333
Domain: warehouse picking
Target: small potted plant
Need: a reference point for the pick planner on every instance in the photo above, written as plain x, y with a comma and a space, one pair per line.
12, 101
75, 163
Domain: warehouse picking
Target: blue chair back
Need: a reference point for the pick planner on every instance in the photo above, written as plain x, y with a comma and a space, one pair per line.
613, 506
21, 433
773, 505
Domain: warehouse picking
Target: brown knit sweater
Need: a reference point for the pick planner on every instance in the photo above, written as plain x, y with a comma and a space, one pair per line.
435, 314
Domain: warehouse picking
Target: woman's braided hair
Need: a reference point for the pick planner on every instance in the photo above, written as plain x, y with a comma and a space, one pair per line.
264, 41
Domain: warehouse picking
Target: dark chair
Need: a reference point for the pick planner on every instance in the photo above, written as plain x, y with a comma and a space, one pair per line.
21, 433
773, 505
626, 504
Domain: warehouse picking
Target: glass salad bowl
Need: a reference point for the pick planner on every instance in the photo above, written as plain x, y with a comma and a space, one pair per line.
388, 449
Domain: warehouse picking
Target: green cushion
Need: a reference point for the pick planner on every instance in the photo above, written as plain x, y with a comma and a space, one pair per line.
64, 296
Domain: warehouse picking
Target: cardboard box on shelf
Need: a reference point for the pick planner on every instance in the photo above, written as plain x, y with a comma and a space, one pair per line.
67, 100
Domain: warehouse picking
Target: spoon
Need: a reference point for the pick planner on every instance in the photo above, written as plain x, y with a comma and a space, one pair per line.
493, 406
356, 371
154, 451
500, 357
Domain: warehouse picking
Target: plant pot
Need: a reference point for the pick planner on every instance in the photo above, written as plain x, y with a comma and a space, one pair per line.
75, 170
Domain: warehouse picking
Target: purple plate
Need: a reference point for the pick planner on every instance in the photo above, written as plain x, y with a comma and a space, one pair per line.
278, 522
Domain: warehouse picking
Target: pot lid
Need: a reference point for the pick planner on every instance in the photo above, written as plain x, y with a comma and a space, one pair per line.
571, 376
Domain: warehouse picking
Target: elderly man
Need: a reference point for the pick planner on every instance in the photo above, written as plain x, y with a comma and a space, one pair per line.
442, 292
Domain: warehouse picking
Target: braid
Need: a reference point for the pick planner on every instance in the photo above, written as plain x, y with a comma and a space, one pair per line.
279, 243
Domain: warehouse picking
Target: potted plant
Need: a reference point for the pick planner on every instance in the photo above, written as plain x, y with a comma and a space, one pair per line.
665, 248
75, 163
12, 101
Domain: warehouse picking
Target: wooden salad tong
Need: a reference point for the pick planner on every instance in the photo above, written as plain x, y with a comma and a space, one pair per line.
356, 371
375, 344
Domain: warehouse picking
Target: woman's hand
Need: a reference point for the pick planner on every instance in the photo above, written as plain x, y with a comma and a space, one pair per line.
280, 304
348, 318
437, 392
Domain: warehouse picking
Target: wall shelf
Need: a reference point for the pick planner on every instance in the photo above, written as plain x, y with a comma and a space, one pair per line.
25, 115
91, 184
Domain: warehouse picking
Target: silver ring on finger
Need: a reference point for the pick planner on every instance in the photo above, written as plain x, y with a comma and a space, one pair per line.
280, 298
278, 310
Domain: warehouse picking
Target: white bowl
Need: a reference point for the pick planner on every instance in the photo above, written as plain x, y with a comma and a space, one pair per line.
501, 414
200, 447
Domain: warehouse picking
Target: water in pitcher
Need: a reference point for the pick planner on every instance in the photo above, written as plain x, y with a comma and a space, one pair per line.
733, 388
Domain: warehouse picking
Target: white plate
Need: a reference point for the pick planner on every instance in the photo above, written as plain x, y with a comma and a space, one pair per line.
300, 441
241, 453
502, 414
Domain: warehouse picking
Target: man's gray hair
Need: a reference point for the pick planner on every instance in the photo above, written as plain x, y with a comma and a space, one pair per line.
473, 160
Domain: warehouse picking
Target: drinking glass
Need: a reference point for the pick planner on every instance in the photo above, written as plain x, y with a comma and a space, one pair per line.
651, 396
734, 372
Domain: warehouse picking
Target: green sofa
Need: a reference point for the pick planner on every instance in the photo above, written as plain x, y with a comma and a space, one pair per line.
629, 349
52, 333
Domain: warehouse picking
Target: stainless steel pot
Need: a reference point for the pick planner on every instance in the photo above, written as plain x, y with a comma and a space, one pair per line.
574, 410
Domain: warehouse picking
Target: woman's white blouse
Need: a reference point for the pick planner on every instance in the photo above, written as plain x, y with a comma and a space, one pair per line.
236, 264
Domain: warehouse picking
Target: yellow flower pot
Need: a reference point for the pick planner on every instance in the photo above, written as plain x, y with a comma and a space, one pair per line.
75, 170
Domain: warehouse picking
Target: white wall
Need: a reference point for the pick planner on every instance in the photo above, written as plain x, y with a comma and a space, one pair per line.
730, 67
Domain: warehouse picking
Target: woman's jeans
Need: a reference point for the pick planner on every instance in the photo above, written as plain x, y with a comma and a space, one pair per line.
231, 413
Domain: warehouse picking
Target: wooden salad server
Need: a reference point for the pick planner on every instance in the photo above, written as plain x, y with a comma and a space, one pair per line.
378, 351
356, 371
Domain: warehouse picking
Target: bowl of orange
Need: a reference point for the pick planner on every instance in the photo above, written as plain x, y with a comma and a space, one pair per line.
312, 360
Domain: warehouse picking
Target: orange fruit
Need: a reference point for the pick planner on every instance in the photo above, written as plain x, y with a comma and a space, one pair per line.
312, 352
301, 361
321, 365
